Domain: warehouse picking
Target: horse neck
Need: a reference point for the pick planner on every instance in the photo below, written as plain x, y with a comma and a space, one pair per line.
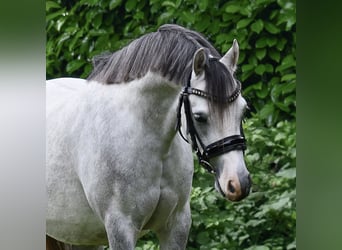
157, 99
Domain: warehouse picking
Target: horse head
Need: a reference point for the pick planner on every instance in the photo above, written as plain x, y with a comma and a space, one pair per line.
217, 132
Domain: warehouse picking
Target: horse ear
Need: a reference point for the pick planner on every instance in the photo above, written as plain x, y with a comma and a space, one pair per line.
230, 59
199, 61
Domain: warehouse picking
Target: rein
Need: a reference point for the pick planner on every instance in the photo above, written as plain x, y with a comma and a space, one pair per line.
219, 147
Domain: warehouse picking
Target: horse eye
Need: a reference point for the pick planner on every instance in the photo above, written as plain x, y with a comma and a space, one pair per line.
200, 117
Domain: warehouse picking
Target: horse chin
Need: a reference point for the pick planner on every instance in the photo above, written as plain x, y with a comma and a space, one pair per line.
234, 197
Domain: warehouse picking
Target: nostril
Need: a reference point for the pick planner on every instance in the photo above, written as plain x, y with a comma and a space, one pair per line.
231, 188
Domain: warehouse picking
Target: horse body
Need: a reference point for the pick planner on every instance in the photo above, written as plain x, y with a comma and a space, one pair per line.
98, 147
116, 165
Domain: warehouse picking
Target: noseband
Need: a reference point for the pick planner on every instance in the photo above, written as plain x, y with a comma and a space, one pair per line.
222, 146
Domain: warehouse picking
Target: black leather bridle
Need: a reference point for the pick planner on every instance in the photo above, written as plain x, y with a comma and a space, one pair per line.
222, 146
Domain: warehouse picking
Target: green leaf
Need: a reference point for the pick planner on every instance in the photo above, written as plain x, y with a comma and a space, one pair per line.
228, 17
203, 5
282, 106
247, 67
247, 11
114, 3
97, 32
289, 173
90, 2
55, 14
64, 37
232, 8
263, 93
102, 42
258, 248
280, 203
289, 87
260, 53
60, 23
203, 238
169, 3
74, 65
286, 4
281, 44
139, 15
164, 17
289, 59
188, 17
246, 75
266, 111
51, 5
288, 77
273, 14
257, 26
178, 3
286, 63
270, 27
288, 18
253, 60
87, 69
222, 38
97, 21
274, 55
203, 24
280, 136
274, 81
242, 56
271, 41
130, 5
291, 246
243, 23
261, 2
91, 14
261, 42
269, 68
243, 237
290, 23
276, 91
75, 39
257, 86
260, 69
290, 100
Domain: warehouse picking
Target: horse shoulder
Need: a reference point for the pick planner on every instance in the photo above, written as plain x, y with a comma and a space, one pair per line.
175, 187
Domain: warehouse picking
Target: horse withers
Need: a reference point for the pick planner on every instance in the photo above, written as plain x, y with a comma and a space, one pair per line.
116, 165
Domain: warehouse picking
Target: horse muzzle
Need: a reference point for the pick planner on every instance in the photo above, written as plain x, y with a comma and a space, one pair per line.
236, 188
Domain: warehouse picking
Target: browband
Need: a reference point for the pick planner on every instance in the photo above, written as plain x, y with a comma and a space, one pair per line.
206, 95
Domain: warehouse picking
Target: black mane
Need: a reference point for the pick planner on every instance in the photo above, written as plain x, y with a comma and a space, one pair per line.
169, 52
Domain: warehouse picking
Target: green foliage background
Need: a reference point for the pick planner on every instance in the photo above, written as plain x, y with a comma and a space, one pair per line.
266, 32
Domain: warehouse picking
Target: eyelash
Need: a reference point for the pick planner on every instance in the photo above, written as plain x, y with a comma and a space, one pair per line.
200, 118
